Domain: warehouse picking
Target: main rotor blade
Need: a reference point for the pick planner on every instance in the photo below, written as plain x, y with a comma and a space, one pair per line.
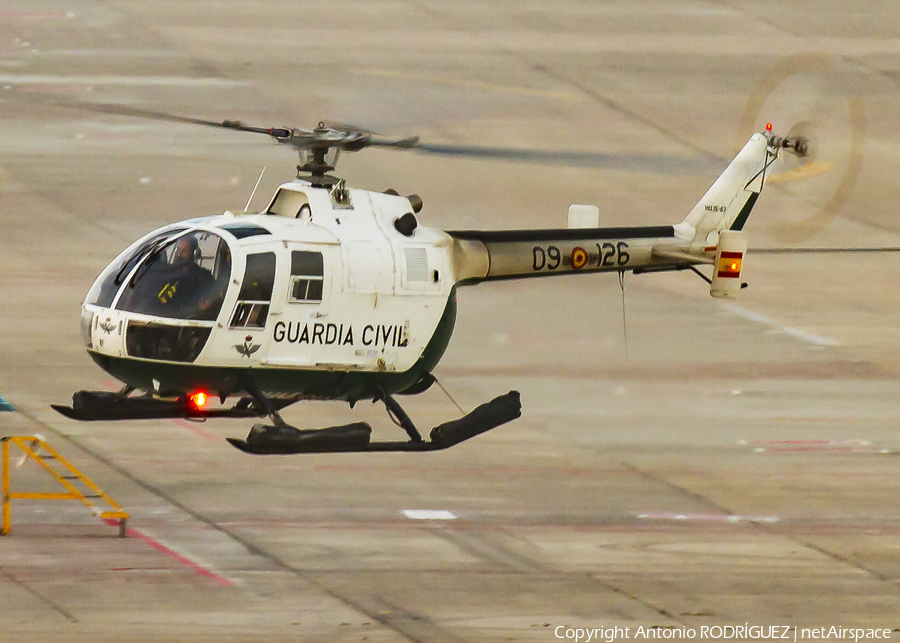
143, 113
657, 163
107, 108
124, 110
353, 139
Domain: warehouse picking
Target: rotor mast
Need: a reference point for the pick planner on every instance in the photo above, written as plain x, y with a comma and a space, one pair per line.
315, 162
314, 145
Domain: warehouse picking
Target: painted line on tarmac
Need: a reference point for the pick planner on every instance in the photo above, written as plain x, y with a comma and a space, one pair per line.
35, 15
136, 53
776, 327
851, 443
819, 450
132, 81
823, 446
697, 517
429, 514
806, 336
171, 553
820, 446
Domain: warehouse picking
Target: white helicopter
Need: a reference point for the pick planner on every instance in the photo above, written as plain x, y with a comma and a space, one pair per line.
333, 293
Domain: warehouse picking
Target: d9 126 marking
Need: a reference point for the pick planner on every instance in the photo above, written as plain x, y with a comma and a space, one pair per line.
608, 254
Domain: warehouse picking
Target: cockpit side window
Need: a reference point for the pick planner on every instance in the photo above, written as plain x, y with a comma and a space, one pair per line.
307, 276
184, 278
252, 307
104, 291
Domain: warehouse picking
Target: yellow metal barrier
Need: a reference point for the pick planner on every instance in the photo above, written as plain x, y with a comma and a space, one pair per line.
31, 445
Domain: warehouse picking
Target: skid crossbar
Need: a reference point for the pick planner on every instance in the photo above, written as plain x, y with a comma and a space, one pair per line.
37, 449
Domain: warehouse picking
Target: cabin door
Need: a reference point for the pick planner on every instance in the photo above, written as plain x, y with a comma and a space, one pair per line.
300, 327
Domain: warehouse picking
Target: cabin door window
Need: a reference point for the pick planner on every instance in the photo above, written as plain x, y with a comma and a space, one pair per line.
252, 308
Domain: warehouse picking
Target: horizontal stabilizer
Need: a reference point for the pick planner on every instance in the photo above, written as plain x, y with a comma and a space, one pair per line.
671, 254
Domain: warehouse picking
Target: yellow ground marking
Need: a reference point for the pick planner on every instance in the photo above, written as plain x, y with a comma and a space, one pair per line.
803, 172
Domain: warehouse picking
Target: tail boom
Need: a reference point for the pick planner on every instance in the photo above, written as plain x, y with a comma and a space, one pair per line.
481, 255
517, 254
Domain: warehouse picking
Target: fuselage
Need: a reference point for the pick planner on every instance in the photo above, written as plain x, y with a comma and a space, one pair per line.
331, 294
334, 293
314, 297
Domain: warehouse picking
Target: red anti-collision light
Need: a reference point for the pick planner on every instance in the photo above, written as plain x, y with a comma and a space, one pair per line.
198, 399
768, 127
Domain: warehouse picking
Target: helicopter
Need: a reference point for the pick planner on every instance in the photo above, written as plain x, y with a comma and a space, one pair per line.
337, 293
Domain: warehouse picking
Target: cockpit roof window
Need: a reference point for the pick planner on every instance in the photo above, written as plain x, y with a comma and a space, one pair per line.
242, 230
288, 203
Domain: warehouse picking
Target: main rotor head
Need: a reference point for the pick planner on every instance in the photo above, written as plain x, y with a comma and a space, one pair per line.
315, 144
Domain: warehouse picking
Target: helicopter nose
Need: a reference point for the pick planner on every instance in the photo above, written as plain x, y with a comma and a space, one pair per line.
87, 321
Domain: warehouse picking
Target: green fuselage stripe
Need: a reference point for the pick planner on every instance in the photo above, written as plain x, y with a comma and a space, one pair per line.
744, 214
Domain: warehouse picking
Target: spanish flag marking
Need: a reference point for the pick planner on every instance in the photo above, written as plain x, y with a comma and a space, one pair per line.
579, 258
730, 265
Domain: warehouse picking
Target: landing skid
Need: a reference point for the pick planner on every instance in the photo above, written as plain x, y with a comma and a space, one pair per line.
89, 406
355, 438
280, 437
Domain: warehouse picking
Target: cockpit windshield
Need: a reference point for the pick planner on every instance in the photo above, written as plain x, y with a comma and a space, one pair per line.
181, 278
110, 281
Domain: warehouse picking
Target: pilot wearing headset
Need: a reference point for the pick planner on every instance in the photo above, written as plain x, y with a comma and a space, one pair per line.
186, 281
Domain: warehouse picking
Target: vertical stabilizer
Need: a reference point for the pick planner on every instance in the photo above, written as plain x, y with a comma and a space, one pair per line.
727, 204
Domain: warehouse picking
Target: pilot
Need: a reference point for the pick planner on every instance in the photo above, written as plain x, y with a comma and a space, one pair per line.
187, 281
185, 254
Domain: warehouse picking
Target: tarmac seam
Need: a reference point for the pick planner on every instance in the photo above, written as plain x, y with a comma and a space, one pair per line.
662, 612
768, 527
499, 554
28, 588
859, 60
387, 618
596, 96
674, 487
482, 547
